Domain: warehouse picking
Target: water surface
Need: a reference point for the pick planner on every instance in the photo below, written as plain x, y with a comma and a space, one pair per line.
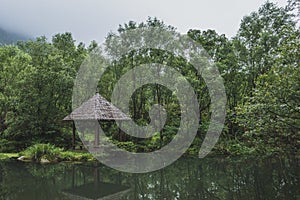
209, 178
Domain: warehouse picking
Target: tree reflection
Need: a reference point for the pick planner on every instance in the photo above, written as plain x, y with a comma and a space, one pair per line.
209, 178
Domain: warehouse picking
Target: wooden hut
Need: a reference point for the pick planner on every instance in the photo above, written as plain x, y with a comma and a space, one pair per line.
97, 109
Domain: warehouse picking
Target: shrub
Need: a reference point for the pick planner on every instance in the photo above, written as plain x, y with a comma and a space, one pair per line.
67, 156
128, 146
74, 156
39, 151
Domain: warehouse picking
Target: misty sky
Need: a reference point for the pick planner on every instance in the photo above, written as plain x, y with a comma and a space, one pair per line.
93, 19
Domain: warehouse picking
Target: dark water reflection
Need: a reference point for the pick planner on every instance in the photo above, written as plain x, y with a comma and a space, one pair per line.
209, 178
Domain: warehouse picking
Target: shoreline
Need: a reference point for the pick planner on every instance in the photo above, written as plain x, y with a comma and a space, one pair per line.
86, 157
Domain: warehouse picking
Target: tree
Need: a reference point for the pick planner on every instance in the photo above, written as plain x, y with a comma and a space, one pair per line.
222, 51
271, 117
44, 93
260, 34
14, 65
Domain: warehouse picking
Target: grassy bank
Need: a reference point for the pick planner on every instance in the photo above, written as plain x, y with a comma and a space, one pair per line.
65, 156
6, 156
47, 153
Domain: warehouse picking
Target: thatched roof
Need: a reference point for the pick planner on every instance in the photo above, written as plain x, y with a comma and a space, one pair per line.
97, 108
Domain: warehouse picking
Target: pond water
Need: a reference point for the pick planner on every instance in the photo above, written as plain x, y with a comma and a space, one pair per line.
209, 178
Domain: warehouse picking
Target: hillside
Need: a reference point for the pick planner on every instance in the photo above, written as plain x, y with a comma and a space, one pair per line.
7, 37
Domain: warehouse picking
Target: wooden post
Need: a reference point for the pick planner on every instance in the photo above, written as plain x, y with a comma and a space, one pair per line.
96, 142
73, 136
120, 133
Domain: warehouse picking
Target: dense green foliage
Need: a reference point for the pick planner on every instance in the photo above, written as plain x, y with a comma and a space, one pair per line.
36, 88
260, 68
42, 151
52, 153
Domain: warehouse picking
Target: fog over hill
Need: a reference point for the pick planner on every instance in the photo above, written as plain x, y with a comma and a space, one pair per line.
7, 37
